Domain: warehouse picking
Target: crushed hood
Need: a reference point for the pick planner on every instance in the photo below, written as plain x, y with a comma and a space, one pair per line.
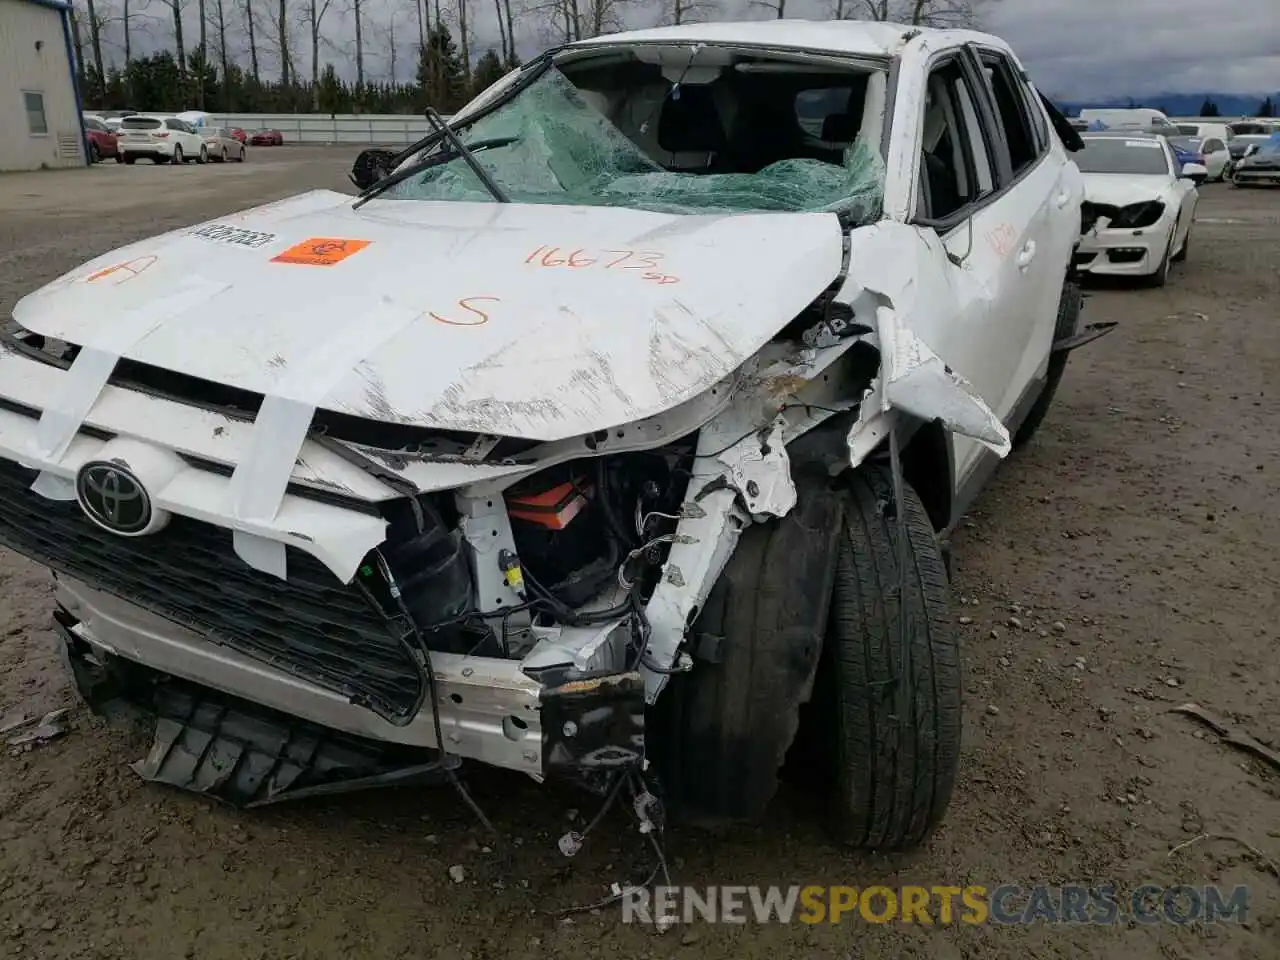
535, 321
1119, 190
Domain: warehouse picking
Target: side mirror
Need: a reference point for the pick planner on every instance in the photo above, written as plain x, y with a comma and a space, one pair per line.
371, 166
1190, 171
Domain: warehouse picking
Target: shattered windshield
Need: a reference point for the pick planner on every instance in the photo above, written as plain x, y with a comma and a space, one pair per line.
550, 145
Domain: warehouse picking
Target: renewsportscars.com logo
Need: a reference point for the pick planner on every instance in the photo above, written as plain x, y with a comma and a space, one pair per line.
1100, 904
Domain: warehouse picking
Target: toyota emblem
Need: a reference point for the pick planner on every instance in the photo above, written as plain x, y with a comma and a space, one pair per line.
113, 498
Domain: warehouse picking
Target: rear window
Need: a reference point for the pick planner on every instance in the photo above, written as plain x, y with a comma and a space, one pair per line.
140, 123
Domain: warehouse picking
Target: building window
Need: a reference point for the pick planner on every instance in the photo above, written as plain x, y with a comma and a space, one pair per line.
37, 124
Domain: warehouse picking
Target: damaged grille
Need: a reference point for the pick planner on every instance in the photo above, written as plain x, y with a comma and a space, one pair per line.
313, 626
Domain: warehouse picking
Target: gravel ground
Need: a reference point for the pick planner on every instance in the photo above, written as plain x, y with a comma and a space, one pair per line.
1123, 564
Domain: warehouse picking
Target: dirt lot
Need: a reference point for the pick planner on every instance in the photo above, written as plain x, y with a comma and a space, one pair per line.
1124, 564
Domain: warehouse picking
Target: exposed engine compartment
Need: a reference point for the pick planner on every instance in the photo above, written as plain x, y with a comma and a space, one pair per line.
587, 532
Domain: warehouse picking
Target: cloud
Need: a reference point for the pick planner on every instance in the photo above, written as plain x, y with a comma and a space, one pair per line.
1073, 49
1096, 48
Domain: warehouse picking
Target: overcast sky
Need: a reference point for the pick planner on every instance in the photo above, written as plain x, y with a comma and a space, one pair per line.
1074, 49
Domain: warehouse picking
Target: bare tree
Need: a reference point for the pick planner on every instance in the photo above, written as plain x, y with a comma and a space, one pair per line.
220, 23
464, 40
78, 40
175, 7
923, 13
282, 40
689, 11
95, 41
388, 33
204, 49
502, 29
779, 7
246, 7
511, 31
355, 9
571, 20
316, 11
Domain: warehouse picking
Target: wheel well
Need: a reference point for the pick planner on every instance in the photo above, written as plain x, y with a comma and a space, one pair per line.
927, 466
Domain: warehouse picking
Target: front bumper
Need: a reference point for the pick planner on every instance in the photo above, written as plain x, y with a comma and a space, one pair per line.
489, 710
1249, 175
1114, 251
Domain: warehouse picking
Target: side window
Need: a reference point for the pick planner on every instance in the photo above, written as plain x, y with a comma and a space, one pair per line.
1213, 146
37, 123
956, 166
1012, 112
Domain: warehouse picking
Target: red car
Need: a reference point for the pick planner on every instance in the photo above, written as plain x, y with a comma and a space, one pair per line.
101, 141
267, 138
239, 134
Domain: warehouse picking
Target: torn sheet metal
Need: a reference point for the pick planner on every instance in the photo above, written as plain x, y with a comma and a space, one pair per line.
50, 727
760, 470
914, 379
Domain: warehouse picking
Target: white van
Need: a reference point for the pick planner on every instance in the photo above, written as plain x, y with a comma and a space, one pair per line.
1205, 129
1143, 117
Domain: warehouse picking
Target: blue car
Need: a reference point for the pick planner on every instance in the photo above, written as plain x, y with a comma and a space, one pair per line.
1187, 150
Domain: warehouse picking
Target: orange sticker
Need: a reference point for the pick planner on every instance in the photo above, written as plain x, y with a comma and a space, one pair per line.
320, 251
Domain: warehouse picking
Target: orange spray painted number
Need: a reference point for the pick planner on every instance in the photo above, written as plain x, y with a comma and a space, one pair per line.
646, 263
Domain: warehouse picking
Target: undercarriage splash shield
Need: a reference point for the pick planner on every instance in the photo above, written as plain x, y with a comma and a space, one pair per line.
247, 756
241, 753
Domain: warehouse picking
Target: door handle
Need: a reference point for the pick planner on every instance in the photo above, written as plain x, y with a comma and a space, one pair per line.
1061, 199
1027, 254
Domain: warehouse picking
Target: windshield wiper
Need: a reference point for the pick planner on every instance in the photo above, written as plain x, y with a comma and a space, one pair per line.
534, 72
437, 159
461, 148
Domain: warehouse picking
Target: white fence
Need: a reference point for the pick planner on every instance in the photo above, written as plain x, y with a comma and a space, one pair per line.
369, 128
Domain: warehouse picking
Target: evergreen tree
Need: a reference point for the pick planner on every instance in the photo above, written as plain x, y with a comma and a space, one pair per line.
331, 94
442, 77
1266, 108
489, 70
1209, 109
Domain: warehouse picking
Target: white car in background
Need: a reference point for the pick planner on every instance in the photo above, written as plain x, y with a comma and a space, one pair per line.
160, 140
1217, 156
1138, 207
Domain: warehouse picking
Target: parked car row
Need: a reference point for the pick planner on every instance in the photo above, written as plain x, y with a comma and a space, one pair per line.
162, 138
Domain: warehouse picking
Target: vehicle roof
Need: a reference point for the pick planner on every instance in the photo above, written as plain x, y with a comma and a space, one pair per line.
859, 37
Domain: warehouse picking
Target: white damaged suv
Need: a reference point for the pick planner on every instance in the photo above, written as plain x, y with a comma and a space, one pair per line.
617, 433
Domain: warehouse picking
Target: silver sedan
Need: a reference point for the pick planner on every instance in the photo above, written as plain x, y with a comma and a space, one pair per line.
222, 146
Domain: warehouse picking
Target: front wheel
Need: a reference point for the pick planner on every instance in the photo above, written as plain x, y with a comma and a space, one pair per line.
177, 155
95, 155
886, 710
203, 155
1161, 275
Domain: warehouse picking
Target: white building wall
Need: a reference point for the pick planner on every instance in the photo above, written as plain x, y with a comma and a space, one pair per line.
33, 59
